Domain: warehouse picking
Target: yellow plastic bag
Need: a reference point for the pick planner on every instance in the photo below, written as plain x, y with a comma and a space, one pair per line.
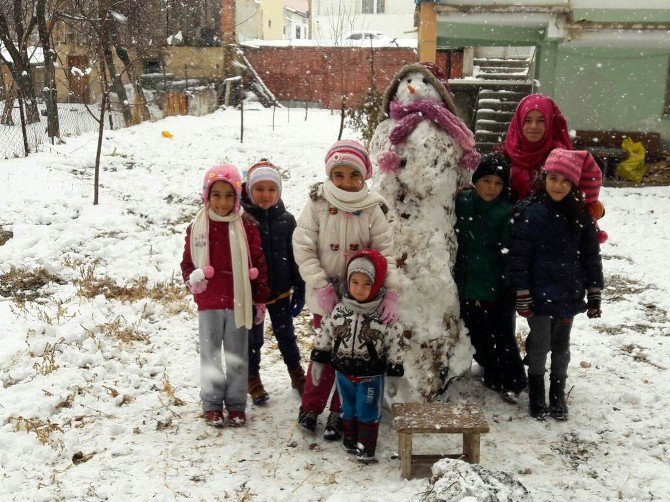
633, 168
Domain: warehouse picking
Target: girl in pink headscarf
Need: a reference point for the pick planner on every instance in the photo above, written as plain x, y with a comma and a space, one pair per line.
537, 127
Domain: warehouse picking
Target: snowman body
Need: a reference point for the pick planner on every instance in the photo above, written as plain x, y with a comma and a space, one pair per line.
420, 196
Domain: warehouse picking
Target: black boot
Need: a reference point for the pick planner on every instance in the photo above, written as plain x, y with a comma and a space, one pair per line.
536, 397
333, 430
367, 442
350, 435
307, 419
557, 406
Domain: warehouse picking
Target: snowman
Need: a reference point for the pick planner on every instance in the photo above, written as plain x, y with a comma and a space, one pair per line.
425, 153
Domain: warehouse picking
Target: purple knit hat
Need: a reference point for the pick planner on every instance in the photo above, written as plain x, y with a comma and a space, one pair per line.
348, 152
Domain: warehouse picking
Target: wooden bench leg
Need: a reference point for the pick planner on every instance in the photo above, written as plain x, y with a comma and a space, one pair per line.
471, 448
405, 452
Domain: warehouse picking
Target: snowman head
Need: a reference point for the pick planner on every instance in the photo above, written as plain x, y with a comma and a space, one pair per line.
419, 81
415, 86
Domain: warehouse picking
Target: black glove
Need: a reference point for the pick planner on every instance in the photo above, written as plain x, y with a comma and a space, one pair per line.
297, 300
593, 304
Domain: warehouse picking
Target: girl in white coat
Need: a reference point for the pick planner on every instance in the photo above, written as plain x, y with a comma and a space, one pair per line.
341, 216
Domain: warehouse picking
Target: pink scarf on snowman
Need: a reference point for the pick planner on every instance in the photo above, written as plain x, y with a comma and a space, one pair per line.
410, 115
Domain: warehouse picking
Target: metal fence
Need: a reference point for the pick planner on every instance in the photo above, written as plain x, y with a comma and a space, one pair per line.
74, 119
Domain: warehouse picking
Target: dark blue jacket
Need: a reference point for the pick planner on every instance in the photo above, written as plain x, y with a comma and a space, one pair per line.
554, 262
276, 226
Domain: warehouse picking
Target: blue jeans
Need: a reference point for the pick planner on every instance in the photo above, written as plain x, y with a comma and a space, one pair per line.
362, 400
282, 326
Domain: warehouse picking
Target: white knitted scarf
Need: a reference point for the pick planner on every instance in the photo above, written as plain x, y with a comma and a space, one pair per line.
239, 259
350, 201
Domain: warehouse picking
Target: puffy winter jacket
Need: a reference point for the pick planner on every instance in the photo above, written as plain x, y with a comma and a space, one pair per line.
483, 236
357, 343
276, 226
555, 263
219, 292
326, 237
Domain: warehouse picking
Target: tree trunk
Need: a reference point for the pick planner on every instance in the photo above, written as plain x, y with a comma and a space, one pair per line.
130, 71
117, 85
25, 84
6, 118
51, 96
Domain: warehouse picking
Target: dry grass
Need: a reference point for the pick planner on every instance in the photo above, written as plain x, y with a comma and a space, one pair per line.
171, 292
120, 331
42, 429
22, 284
47, 361
618, 287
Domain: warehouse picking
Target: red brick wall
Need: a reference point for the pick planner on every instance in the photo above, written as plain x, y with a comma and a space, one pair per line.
325, 74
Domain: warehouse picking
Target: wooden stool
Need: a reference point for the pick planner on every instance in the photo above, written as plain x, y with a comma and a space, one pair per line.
437, 418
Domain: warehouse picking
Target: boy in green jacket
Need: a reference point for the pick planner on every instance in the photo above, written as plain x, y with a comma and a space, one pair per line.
487, 308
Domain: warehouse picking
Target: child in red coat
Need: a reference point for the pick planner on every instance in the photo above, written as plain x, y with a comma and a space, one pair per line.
224, 267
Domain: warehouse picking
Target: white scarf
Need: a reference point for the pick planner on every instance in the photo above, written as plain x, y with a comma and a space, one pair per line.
239, 259
351, 201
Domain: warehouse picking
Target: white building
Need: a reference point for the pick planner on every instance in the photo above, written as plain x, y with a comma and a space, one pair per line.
334, 19
296, 19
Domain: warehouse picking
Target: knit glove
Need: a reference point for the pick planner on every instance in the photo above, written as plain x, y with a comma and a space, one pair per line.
593, 304
259, 316
196, 282
297, 300
317, 369
523, 304
326, 298
392, 384
388, 307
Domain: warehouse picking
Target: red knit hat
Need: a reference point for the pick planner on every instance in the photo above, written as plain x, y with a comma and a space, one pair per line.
580, 168
371, 263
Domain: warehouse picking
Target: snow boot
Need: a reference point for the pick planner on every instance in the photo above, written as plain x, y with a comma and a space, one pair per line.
307, 419
257, 392
537, 401
237, 418
367, 442
297, 375
213, 418
558, 408
333, 431
350, 435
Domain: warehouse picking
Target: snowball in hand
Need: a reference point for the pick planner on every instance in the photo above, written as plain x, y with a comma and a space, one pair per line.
196, 276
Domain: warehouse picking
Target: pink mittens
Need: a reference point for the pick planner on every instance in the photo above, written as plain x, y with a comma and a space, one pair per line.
326, 298
388, 307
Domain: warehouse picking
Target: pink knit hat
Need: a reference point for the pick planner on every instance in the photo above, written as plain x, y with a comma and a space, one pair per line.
580, 168
348, 152
227, 173
262, 171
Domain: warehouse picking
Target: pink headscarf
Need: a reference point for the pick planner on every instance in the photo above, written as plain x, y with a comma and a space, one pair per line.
527, 157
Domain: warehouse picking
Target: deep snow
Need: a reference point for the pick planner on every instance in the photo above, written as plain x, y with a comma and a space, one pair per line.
131, 409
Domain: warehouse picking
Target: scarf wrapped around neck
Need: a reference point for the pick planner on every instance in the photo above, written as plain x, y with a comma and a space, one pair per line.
410, 115
350, 201
239, 255
527, 157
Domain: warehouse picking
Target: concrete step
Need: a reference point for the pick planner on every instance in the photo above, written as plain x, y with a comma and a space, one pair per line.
503, 95
497, 105
491, 125
502, 76
485, 147
516, 62
500, 69
489, 137
486, 113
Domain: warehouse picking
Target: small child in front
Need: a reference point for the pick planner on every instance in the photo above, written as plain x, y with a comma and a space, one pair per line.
362, 349
224, 267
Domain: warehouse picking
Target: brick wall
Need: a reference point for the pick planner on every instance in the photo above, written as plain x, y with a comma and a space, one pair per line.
325, 74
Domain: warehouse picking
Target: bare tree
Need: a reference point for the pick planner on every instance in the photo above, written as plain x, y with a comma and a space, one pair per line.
45, 23
17, 24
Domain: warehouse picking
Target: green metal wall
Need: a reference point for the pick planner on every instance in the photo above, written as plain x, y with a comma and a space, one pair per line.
622, 89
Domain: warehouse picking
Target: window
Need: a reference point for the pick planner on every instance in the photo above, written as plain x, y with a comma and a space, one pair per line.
372, 6
297, 31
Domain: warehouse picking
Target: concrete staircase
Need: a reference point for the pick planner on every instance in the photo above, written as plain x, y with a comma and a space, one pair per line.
507, 82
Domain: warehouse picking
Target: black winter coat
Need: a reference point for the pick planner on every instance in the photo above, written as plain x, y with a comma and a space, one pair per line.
556, 264
276, 226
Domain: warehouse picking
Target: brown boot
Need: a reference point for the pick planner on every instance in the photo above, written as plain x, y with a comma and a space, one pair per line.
257, 391
297, 378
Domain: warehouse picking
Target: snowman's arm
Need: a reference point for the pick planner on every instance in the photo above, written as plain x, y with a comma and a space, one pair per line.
381, 236
305, 248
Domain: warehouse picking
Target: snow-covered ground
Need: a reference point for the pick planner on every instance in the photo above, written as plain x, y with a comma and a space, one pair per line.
99, 368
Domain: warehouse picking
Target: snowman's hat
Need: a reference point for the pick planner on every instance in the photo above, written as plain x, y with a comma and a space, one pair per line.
434, 75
